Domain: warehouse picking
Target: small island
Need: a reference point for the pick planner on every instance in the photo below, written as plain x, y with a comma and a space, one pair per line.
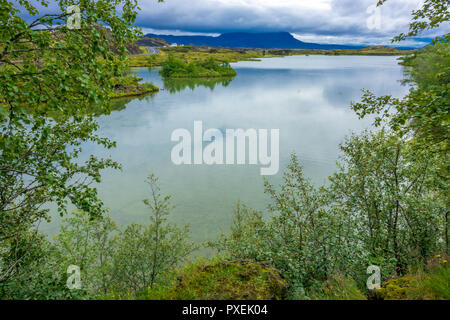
130, 86
209, 68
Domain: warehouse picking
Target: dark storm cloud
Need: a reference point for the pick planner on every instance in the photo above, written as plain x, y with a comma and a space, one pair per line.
322, 17
327, 19
337, 21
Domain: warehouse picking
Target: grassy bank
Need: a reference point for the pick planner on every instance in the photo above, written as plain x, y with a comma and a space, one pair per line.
221, 279
431, 282
177, 68
367, 51
190, 54
129, 86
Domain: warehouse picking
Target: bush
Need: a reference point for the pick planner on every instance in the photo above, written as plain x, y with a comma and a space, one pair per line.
337, 287
432, 283
177, 68
223, 280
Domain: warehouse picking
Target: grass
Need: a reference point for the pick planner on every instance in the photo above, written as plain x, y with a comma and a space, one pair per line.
194, 54
219, 279
337, 287
129, 86
367, 51
190, 54
209, 68
429, 283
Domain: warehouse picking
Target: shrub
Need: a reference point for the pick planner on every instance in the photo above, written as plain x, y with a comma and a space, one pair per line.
223, 280
177, 68
337, 287
431, 283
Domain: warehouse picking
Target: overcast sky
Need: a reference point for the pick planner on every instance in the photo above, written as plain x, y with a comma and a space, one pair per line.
322, 21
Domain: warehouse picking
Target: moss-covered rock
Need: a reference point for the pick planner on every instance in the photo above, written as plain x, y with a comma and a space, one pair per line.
433, 283
396, 289
225, 280
130, 86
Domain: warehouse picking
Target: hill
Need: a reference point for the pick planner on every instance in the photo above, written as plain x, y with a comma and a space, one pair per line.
271, 40
152, 42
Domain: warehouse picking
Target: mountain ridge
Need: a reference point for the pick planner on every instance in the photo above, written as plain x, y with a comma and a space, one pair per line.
268, 40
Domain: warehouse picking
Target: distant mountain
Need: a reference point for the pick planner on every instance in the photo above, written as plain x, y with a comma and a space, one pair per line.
272, 40
152, 42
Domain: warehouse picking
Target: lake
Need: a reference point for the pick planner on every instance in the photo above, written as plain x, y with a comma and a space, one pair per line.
306, 97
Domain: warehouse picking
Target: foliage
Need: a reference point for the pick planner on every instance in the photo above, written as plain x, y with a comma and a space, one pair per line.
433, 283
144, 253
37, 273
49, 76
176, 68
386, 185
220, 279
432, 14
301, 239
427, 67
128, 86
386, 205
423, 113
122, 263
88, 243
151, 60
379, 209
195, 54
421, 118
366, 51
337, 287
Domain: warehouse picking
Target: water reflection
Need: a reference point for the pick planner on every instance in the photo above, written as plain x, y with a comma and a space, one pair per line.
307, 98
121, 103
177, 85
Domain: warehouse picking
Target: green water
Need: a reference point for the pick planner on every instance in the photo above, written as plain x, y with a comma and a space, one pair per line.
306, 97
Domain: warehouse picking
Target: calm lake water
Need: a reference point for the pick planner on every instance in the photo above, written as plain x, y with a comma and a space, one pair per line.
306, 97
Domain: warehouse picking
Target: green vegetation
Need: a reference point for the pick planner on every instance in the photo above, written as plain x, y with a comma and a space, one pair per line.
379, 209
220, 279
386, 205
337, 287
143, 254
195, 54
176, 68
431, 284
129, 86
189, 54
178, 84
150, 60
366, 51
47, 70
113, 262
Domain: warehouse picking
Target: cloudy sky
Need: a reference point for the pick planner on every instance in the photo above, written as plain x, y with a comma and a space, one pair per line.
321, 21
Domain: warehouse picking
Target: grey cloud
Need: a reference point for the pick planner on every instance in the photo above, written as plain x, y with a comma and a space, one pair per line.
345, 17
322, 18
